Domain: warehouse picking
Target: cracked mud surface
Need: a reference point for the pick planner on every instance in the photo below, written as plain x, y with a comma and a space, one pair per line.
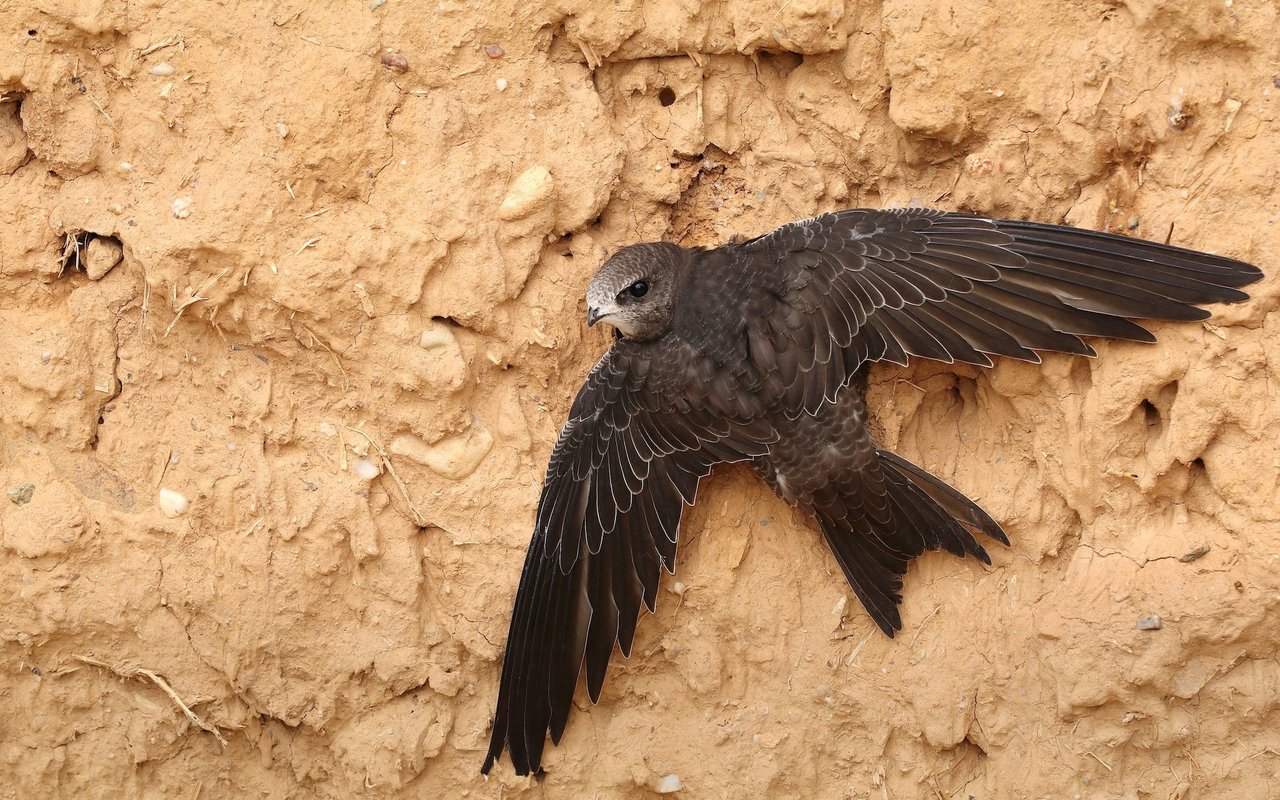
334, 267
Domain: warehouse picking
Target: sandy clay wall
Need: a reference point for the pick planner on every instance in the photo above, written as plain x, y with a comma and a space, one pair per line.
291, 313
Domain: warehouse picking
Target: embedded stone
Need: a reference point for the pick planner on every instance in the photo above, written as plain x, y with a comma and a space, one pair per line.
454, 457
101, 256
527, 194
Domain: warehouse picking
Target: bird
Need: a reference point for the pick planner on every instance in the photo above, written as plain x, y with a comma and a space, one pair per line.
756, 351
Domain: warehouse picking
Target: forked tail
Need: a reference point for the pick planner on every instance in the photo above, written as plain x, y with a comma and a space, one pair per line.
925, 514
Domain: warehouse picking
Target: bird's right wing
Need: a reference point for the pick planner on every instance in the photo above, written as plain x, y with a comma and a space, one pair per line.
627, 462
848, 287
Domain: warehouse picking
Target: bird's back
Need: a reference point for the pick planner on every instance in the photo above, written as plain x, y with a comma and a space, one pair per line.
711, 314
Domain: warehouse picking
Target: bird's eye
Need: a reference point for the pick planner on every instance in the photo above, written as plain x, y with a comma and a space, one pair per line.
638, 289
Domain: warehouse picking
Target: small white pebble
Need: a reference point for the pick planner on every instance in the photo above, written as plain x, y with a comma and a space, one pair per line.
669, 784
366, 470
125, 166
282, 129
501, 84
1150, 622
174, 458
46, 356
679, 588
231, 446
328, 428
182, 207
172, 504
164, 69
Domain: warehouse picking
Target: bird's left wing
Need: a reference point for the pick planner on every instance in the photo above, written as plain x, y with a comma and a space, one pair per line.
628, 460
849, 287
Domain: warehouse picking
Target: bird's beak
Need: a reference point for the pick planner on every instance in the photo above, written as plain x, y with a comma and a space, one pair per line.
593, 316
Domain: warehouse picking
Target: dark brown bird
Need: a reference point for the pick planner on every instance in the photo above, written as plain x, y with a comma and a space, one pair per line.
754, 351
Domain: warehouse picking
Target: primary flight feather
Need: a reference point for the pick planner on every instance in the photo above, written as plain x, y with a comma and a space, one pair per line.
755, 351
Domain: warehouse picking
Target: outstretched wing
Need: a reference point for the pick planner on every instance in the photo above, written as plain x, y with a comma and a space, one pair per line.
626, 463
848, 287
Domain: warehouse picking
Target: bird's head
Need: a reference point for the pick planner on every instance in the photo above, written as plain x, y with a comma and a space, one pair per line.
634, 291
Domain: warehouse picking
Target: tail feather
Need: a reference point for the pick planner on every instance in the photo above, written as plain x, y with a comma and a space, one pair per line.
961, 508
926, 514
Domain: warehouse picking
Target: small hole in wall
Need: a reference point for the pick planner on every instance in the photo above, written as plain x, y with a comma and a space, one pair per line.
1150, 414
31, 32
666, 96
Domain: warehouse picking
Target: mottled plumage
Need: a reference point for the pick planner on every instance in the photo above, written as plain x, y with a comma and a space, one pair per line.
751, 352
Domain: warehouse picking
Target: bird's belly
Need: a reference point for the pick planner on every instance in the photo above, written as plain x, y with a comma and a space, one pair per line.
816, 451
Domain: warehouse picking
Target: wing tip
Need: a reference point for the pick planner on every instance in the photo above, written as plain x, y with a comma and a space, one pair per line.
890, 622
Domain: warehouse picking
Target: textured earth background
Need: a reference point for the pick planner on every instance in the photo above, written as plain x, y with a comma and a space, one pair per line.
346, 323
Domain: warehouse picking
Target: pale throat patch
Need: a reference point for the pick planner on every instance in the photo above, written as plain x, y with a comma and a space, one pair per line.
624, 327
